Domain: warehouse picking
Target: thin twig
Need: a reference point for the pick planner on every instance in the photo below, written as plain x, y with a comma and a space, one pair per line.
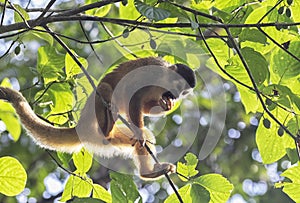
20, 14
72, 56
44, 92
28, 10
13, 34
89, 42
63, 168
3, 13
45, 10
266, 14
219, 65
117, 41
166, 175
9, 48
279, 45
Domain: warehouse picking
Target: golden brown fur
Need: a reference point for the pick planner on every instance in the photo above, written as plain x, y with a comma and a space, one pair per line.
96, 129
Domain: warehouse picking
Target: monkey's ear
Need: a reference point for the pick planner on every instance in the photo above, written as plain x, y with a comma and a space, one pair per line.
186, 72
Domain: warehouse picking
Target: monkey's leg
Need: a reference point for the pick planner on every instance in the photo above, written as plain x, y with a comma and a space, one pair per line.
148, 169
105, 117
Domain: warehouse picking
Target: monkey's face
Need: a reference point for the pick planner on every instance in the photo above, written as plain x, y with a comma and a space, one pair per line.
169, 98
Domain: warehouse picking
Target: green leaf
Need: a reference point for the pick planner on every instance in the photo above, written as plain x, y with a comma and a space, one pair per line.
43, 35
83, 161
101, 193
152, 13
22, 12
282, 95
249, 99
83, 90
188, 169
283, 65
99, 12
50, 64
8, 115
103, 11
218, 186
192, 193
64, 158
129, 11
61, 100
293, 155
252, 35
257, 65
291, 188
222, 53
271, 146
13, 176
77, 187
72, 68
123, 188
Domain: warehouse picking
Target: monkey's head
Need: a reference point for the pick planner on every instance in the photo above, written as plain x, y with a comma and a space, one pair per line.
182, 84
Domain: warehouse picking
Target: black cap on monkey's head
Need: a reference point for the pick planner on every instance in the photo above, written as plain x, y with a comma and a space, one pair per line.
187, 73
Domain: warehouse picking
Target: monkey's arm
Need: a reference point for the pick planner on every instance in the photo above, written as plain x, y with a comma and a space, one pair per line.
44, 134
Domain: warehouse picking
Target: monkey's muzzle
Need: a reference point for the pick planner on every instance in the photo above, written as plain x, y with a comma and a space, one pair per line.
167, 101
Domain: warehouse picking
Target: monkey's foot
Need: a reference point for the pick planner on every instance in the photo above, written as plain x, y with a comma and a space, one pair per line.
159, 170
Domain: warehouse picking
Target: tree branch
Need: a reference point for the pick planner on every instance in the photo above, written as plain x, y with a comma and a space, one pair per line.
125, 22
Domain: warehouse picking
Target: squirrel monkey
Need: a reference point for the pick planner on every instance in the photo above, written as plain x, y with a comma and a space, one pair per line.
150, 91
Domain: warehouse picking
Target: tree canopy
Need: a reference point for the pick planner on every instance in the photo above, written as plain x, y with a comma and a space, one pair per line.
236, 139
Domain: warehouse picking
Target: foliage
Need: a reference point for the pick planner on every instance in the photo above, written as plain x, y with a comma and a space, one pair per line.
253, 45
13, 176
205, 188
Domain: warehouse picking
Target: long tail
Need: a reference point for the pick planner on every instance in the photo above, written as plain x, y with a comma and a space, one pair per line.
44, 134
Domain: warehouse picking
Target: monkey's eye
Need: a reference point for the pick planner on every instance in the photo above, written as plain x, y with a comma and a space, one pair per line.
185, 92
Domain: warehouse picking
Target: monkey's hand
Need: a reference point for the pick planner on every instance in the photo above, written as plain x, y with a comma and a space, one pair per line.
138, 139
143, 136
167, 101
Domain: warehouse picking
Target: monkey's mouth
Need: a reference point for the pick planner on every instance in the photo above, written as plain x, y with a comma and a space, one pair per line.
167, 101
